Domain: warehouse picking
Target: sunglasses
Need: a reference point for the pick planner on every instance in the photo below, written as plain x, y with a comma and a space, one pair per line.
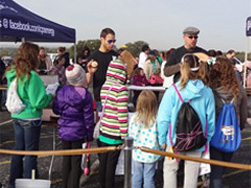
111, 41
191, 37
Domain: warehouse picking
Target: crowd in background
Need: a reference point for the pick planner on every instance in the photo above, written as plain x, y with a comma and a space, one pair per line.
202, 76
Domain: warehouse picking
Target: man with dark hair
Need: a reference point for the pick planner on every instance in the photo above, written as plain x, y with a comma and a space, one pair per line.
143, 56
103, 56
172, 66
230, 54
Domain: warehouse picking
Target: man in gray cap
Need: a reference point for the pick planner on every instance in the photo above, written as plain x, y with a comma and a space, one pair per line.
172, 66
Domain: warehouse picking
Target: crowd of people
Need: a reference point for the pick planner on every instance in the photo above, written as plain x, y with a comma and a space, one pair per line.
193, 77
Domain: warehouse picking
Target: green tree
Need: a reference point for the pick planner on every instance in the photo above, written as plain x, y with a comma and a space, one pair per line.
135, 48
92, 44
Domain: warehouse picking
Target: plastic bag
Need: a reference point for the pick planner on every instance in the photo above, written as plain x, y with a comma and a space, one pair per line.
86, 163
205, 168
13, 102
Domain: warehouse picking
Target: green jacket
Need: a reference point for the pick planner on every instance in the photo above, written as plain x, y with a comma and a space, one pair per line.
32, 92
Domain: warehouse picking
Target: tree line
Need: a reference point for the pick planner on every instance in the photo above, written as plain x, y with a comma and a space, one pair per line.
93, 44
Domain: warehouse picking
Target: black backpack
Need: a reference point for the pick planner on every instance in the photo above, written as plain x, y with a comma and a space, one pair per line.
189, 133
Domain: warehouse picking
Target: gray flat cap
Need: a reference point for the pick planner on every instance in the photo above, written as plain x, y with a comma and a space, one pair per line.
191, 30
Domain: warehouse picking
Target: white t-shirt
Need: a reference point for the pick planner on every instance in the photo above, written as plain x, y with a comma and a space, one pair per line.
142, 60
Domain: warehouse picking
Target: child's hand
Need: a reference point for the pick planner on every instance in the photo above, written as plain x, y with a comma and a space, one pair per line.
163, 146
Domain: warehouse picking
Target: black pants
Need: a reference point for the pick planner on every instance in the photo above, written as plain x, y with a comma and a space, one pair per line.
107, 166
71, 168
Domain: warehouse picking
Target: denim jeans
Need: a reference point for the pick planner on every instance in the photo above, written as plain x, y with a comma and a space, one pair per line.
217, 171
27, 134
143, 172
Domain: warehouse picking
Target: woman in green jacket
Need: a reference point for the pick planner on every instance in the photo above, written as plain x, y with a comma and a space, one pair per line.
27, 123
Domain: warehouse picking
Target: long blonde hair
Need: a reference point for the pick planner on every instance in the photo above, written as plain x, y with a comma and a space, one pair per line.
192, 69
147, 108
127, 58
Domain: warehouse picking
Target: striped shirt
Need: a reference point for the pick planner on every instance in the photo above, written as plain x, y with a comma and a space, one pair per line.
114, 124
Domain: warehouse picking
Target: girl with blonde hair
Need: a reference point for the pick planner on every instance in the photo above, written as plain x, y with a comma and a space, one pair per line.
193, 89
143, 129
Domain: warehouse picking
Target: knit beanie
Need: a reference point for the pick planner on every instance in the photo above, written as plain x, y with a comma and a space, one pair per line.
75, 75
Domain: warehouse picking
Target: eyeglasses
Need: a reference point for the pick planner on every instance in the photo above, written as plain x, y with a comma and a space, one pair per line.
111, 41
191, 37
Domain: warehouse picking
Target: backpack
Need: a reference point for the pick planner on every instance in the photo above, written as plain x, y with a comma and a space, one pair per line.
13, 102
155, 79
189, 133
227, 135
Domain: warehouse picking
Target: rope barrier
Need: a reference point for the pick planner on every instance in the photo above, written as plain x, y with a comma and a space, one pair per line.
113, 148
195, 159
61, 152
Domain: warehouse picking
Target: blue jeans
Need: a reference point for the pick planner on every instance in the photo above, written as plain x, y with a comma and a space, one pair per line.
143, 171
217, 171
27, 134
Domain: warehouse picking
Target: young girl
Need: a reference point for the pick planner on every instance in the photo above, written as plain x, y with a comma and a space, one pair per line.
143, 129
76, 123
27, 124
114, 123
226, 87
59, 69
192, 86
139, 79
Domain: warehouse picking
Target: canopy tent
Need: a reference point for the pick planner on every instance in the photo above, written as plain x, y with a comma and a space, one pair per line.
17, 23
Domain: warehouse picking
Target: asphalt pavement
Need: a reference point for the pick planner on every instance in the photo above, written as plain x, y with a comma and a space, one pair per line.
233, 178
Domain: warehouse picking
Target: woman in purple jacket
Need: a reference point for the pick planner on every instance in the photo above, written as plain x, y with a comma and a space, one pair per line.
76, 123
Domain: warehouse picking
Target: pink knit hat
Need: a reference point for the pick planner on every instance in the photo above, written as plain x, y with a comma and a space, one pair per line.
75, 75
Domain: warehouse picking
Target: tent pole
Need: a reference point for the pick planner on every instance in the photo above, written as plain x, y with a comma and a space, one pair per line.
245, 63
75, 53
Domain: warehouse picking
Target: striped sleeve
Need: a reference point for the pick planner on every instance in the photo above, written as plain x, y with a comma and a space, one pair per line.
122, 101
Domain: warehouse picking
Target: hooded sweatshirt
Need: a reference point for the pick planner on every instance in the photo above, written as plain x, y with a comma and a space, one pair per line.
75, 107
32, 92
114, 125
240, 103
202, 102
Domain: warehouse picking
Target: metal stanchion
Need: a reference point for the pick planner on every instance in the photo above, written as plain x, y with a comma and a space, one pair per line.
128, 161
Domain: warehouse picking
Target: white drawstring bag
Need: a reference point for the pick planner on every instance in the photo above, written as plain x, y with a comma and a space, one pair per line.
13, 103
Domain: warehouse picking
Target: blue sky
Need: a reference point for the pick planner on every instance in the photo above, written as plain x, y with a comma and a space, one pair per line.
158, 22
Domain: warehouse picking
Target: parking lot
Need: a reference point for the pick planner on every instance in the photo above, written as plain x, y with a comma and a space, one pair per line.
233, 178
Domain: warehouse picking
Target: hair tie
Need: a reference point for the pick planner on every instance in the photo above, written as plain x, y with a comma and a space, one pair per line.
69, 68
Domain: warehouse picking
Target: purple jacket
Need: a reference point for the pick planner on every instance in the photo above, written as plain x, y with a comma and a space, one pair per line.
75, 107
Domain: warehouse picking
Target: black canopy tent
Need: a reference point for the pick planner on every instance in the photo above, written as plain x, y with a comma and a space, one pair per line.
17, 23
